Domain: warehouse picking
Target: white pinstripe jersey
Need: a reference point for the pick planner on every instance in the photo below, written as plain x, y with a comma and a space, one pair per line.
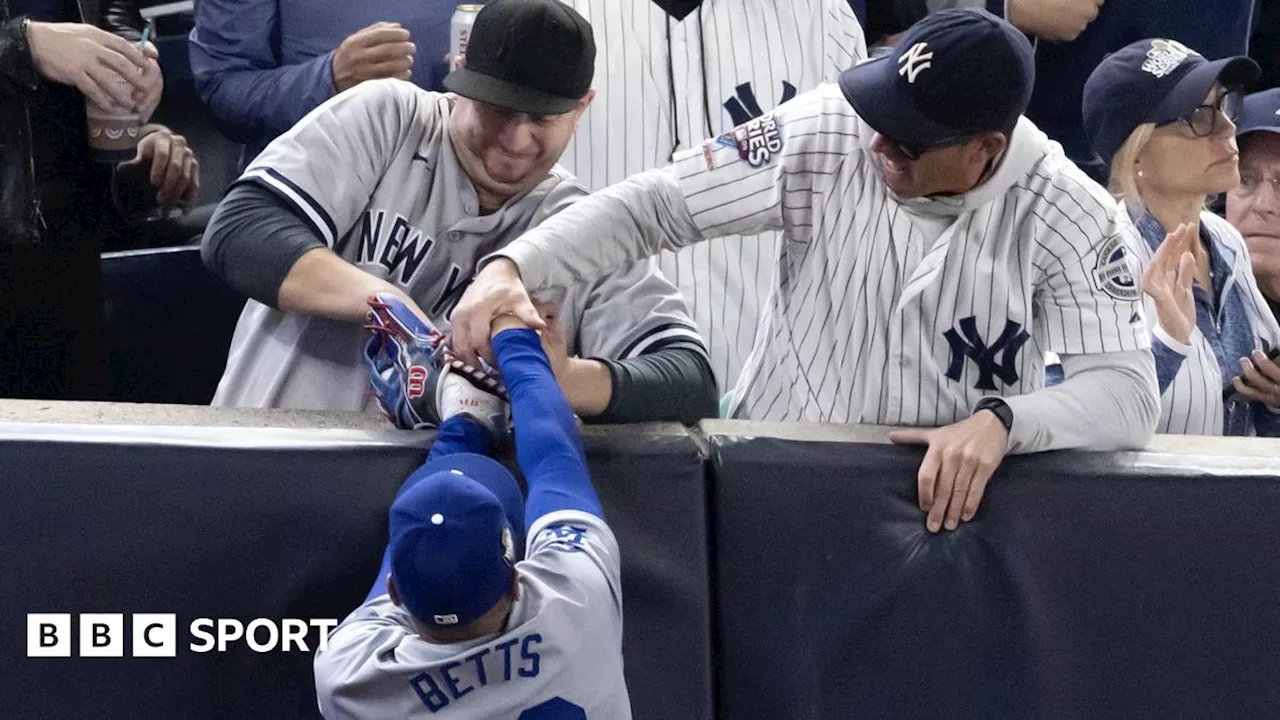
907, 312
374, 173
1192, 403
757, 53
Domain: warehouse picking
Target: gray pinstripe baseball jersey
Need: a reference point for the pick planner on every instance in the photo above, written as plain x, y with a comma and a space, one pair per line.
664, 84
373, 171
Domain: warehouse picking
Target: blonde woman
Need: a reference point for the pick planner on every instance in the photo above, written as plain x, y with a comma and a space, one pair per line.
1161, 116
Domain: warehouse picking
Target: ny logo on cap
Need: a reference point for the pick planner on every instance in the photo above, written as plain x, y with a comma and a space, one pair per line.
1164, 56
914, 61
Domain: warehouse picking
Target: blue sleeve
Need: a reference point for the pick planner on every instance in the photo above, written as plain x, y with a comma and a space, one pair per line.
1168, 362
548, 447
237, 71
458, 434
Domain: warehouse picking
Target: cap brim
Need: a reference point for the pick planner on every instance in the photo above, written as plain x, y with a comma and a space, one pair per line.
494, 477
873, 94
486, 88
1191, 90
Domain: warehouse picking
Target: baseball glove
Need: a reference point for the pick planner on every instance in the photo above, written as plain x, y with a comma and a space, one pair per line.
410, 365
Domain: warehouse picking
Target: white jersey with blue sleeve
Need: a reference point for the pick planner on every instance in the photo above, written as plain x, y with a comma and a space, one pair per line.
560, 656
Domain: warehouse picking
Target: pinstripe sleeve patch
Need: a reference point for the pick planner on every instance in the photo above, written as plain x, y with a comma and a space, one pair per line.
1116, 270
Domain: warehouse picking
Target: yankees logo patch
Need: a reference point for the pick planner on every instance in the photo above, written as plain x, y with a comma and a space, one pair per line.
968, 343
915, 61
1116, 271
757, 141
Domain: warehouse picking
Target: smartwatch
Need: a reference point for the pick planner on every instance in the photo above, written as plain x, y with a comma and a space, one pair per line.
1001, 409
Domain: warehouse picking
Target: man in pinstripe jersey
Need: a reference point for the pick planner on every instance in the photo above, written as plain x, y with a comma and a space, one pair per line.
671, 72
936, 245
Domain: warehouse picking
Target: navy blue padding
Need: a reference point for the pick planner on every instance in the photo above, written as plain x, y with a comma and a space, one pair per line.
1089, 586
255, 524
168, 324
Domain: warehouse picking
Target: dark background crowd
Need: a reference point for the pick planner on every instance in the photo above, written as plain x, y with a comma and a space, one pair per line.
215, 83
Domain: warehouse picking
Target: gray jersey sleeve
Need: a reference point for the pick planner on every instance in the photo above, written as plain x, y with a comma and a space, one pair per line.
576, 555
329, 164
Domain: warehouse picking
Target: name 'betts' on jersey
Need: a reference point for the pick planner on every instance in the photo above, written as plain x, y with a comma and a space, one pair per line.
374, 173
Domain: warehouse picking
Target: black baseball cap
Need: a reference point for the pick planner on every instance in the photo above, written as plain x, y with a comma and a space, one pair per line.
1152, 81
532, 56
954, 74
1261, 113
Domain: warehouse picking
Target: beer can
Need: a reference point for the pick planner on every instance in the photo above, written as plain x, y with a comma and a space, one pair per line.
460, 32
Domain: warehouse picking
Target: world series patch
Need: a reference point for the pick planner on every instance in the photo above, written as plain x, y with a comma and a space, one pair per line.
1116, 272
756, 141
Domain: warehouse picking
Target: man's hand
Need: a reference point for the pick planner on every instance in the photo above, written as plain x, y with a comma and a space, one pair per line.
381, 50
496, 290
957, 466
1054, 20
105, 68
1167, 280
554, 342
148, 98
174, 171
1260, 380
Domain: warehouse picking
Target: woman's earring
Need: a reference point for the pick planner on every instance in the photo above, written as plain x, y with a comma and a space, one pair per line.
1139, 173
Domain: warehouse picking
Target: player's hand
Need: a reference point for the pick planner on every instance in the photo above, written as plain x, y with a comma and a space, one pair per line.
1054, 20
554, 342
496, 290
1168, 278
381, 50
1260, 380
959, 462
174, 171
105, 68
148, 98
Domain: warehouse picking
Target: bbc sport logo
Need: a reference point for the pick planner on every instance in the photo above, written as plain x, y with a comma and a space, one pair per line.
102, 635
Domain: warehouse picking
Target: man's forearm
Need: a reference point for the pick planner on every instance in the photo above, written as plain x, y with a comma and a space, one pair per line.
632, 220
1106, 402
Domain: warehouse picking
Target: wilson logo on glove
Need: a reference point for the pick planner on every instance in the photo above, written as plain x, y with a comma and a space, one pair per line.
417, 382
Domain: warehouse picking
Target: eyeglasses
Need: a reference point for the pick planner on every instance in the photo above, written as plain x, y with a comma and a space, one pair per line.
913, 152
1203, 120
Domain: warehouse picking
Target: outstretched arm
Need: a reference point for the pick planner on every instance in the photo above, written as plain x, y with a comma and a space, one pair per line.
548, 446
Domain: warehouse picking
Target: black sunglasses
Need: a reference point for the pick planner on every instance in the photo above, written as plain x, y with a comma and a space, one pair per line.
1203, 120
913, 152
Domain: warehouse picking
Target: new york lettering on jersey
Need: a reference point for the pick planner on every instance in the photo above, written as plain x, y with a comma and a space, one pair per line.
906, 312
670, 83
374, 173
561, 657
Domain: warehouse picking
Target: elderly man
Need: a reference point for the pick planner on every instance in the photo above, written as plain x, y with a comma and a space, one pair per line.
1253, 206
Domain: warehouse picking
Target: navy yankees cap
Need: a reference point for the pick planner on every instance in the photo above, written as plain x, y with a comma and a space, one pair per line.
532, 56
1152, 81
456, 530
1261, 113
954, 74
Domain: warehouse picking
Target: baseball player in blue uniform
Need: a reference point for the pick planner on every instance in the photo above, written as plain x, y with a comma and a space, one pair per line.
455, 626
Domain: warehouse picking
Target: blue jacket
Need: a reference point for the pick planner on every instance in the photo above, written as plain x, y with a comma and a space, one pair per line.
260, 65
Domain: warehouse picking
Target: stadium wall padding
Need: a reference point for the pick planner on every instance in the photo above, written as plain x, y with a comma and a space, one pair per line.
768, 572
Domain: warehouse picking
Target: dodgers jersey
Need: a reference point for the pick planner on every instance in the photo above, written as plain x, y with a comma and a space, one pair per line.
373, 172
559, 657
1192, 404
663, 85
